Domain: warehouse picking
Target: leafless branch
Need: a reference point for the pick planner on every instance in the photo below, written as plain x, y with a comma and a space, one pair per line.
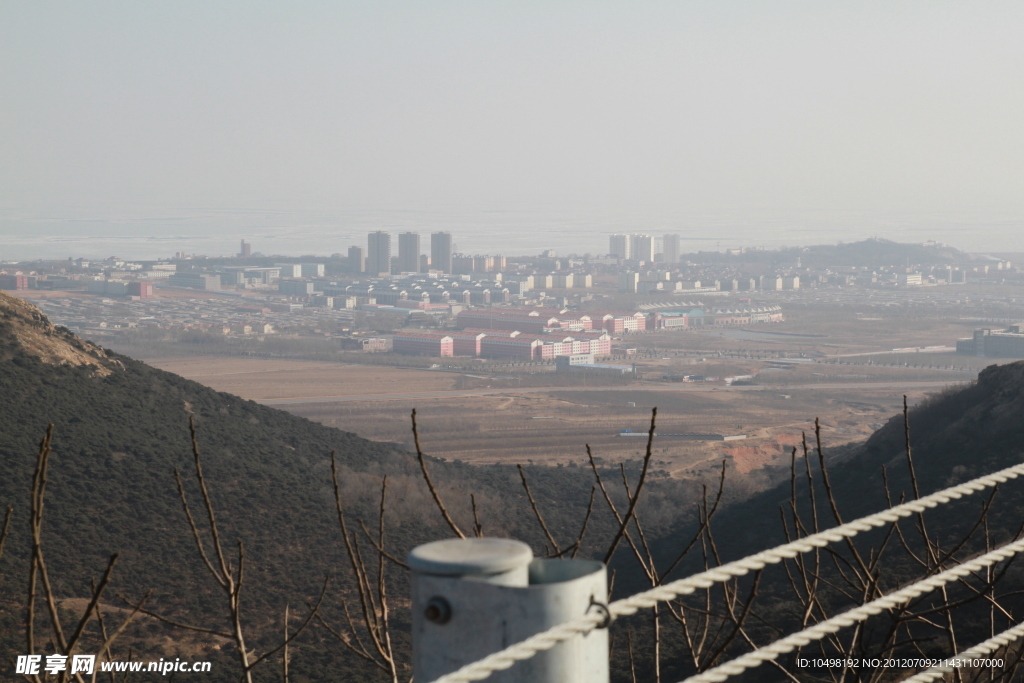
478, 529
639, 488
579, 539
170, 622
229, 581
289, 638
615, 512
108, 641
225, 573
629, 647
92, 605
700, 530
6, 527
536, 511
375, 615
430, 484
284, 655
195, 529
380, 551
361, 650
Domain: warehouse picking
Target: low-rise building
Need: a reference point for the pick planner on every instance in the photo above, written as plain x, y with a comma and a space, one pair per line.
618, 323
563, 280
437, 344
143, 290
516, 348
374, 344
194, 280
504, 319
295, 287
13, 282
909, 279
564, 362
988, 344
467, 343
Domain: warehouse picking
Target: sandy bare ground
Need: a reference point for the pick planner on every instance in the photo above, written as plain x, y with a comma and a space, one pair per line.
552, 425
258, 378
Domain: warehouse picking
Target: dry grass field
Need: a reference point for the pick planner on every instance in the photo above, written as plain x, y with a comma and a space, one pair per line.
258, 378
552, 425
553, 428
814, 330
481, 418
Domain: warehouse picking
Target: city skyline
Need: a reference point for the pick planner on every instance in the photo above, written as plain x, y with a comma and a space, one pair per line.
667, 242
755, 125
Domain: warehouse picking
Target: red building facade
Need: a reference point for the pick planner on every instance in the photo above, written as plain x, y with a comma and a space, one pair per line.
435, 344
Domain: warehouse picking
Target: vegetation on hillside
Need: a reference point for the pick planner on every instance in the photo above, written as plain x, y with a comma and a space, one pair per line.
305, 501
875, 251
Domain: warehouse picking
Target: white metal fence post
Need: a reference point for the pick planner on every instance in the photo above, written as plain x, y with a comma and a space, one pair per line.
472, 597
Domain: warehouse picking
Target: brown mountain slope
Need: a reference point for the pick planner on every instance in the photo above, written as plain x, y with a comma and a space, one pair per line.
24, 327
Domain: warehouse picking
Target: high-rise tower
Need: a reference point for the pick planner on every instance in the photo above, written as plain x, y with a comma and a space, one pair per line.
618, 246
441, 251
378, 253
670, 248
641, 248
409, 252
356, 259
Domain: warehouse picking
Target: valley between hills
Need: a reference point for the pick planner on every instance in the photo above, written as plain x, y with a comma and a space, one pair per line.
121, 429
470, 419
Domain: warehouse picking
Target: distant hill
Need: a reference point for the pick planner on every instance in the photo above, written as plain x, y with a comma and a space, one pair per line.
120, 428
961, 434
870, 252
957, 435
885, 252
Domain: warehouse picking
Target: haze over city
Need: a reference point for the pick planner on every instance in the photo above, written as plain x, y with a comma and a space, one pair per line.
690, 335
130, 128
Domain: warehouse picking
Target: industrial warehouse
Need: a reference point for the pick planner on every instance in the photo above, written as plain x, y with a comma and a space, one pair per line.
986, 343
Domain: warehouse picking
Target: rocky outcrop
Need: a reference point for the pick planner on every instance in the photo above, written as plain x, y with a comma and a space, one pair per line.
25, 330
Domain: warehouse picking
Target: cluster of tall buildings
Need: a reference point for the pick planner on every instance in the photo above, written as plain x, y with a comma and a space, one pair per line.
376, 260
640, 247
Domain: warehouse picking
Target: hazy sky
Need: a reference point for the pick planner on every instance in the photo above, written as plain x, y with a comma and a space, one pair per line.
671, 114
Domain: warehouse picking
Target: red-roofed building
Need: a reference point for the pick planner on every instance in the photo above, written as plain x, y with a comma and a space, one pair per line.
618, 323
510, 347
143, 290
601, 346
576, 322
505, 320
490, 332
13, 282
437, 344
467, 343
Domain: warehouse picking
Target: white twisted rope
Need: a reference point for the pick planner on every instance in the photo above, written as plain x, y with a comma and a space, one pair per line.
582, 625
977, 652
855, 615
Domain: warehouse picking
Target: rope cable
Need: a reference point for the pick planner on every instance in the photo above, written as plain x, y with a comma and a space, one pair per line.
855, 615
585, 623
977, 652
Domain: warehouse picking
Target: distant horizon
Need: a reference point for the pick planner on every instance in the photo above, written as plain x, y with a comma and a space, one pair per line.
216, 232
517, 127
264, 246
